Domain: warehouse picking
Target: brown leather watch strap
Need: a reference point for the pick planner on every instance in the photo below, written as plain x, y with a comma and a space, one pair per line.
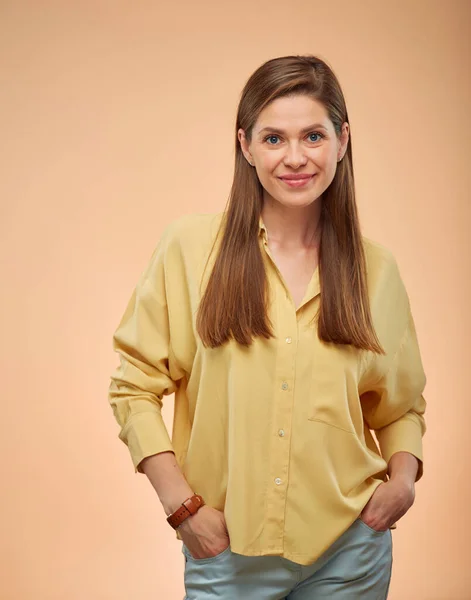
187, 508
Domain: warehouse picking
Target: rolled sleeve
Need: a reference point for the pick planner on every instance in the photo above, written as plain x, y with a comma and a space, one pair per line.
146, 371
394, 408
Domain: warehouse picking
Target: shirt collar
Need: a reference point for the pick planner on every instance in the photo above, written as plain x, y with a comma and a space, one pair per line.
262, 229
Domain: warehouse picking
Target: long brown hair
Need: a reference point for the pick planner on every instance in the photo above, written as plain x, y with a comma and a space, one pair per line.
235, 299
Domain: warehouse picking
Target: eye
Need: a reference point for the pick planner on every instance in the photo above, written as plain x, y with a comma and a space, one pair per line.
272, 135
317, 133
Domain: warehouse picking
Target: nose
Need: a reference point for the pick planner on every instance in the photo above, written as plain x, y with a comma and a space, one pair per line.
295, 156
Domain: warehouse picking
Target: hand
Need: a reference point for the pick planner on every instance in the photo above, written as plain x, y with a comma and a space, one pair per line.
389, 502
205, 533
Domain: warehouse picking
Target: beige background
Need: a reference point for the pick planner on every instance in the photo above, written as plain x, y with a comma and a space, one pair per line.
116, 118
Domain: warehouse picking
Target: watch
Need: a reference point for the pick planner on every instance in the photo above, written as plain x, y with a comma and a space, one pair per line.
189, 507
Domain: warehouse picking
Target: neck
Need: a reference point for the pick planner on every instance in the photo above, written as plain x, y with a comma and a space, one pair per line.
292, 228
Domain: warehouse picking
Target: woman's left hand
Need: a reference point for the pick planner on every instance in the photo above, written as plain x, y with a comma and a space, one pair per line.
389, 502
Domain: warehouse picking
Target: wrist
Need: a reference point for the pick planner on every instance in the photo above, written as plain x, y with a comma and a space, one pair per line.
188, 508
404, 480
175, 501
403, 466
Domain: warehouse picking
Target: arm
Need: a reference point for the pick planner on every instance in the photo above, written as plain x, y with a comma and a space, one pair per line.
394, 406
147, 372
147, 369
167, 479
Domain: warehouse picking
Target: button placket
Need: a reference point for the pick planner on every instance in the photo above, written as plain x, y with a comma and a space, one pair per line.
284, 378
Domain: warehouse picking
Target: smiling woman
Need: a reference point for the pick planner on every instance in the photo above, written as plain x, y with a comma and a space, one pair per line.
287, 337
294, 153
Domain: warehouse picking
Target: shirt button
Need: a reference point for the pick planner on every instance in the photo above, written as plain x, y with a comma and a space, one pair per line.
284, 385
288, 340
281, 433
277, 481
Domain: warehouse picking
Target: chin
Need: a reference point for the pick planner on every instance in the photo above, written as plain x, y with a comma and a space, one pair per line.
294, 202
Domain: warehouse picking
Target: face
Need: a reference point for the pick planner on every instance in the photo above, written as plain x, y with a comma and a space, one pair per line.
294, 135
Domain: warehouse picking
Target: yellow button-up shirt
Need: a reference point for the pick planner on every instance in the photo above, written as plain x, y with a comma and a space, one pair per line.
278, 435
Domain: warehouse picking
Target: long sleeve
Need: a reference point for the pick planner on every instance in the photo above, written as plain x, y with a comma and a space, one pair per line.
145, 373
394, 407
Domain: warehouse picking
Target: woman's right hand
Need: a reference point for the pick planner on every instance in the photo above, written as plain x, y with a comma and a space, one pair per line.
205, 533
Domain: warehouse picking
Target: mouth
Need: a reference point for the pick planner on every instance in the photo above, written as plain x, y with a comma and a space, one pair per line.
296, 183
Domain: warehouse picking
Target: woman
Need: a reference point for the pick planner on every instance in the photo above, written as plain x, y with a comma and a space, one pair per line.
287, 337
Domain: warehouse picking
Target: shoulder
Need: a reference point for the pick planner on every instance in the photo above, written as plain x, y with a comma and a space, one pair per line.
180, 246
378, 255
186, 242
191, 231
381, 263
386, 288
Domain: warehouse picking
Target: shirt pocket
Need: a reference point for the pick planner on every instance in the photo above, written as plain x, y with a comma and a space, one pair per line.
333, 395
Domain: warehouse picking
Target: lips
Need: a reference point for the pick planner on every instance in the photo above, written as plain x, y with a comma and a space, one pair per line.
296, 177
297, 182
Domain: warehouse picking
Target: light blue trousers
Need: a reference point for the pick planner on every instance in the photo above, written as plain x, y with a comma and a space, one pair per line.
357, 566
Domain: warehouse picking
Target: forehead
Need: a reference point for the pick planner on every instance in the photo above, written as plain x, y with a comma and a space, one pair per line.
293, 113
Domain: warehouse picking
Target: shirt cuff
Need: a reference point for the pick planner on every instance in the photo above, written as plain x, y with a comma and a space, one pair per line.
145, 434
403, 435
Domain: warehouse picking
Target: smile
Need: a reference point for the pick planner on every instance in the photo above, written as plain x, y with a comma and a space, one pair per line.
296, 183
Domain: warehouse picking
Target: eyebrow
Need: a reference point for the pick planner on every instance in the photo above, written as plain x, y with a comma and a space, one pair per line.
305, 130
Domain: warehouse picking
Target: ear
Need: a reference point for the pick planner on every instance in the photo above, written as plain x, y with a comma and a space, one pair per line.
244, 145
343, 141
